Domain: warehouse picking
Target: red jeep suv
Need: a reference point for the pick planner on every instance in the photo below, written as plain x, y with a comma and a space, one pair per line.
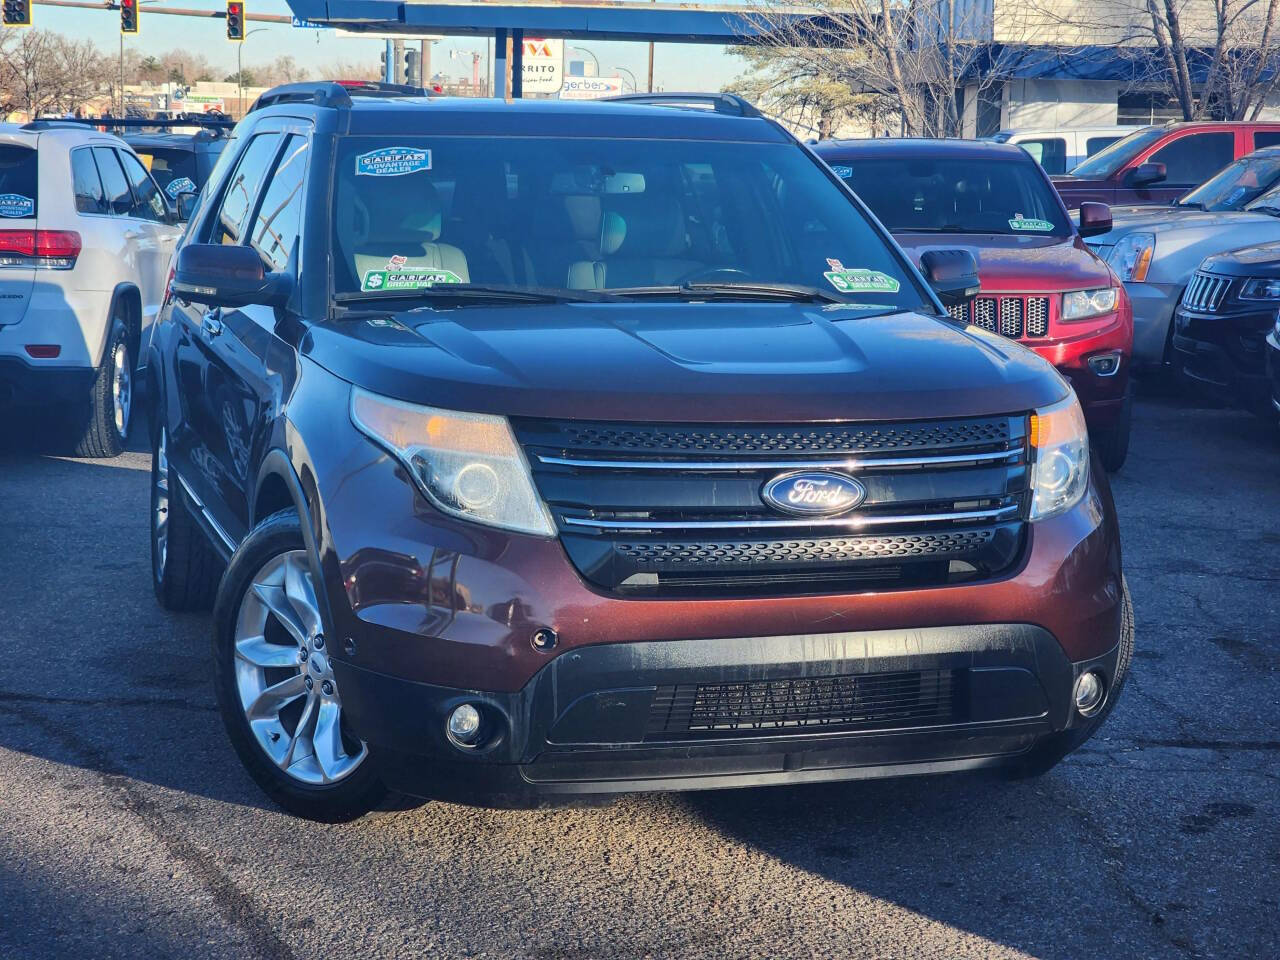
1041, 284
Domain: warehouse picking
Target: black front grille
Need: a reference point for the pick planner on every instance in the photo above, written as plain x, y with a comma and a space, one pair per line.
1205, 292
761, 707
679, 509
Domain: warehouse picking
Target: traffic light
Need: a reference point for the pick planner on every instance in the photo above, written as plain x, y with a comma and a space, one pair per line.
128, 16
17, 13
411, 67
235, 21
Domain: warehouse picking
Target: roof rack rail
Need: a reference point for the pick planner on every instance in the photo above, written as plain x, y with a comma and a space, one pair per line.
212, 124
729, 103
335, 93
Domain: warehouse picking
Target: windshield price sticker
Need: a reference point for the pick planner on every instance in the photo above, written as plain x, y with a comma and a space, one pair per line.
16, 205
1019, 222
181, 185
859, 280
408, 280
392, 162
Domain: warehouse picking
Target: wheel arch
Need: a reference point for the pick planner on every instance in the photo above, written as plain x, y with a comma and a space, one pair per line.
128, 296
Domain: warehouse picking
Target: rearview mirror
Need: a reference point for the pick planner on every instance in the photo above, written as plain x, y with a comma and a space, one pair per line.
224, 275
186, 205
1145, 173
1095, 218
953, 275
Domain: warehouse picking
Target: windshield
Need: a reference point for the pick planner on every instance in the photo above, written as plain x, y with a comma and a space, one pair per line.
1110, 159
607, 216
174, 170
958, 196
1236, 185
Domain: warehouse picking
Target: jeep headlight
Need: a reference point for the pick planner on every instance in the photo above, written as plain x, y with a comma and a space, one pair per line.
1131, 257
1260, 289
1060, 470
1083, 304
467, 464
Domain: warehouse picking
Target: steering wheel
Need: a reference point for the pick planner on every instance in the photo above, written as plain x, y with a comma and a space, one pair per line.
711, 273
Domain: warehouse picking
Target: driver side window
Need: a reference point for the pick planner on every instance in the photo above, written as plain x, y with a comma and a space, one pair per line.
237, 202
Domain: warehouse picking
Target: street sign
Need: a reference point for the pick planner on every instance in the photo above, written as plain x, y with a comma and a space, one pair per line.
543, 65
590, 88
300, 23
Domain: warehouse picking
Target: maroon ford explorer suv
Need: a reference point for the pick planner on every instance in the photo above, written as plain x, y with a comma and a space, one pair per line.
1041, 284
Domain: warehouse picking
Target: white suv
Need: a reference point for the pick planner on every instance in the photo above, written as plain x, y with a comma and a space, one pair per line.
85, 241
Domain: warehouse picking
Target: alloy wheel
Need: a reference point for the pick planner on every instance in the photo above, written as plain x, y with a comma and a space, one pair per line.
284, 678
160, 505
121, 390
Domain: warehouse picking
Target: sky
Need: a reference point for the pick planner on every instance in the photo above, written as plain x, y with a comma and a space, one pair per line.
676, 66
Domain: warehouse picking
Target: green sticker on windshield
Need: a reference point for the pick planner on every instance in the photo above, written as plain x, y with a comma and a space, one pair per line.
407, 280
848, 280
1019, 222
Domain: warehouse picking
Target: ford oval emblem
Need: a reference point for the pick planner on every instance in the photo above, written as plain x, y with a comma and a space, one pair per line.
813, 493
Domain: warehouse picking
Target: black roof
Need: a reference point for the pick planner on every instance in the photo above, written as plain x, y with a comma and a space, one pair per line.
907, 147
173, 141
388, 111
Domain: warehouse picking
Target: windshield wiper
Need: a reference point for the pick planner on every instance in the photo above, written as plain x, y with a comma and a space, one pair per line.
472, 291
1192, 205
733, 291
1267, 209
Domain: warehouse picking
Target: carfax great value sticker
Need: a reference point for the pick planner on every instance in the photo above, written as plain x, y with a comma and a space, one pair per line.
1019, 222
16, 205
407, 280
859, 280
392, 162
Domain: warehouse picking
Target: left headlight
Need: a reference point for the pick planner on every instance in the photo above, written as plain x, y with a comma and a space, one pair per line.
1131, 257
1083, 304
1060, 472
467, 464
1260, 289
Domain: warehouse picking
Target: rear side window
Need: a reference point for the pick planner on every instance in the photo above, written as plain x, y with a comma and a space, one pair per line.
1094, 144
275, 229
237, 202
18, 182
1193, 159
148, 203
174, 170
86, 184
114, 184
1266, 138
1050, 153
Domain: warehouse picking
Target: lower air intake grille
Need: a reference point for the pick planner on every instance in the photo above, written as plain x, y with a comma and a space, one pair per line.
760, 707
702, 555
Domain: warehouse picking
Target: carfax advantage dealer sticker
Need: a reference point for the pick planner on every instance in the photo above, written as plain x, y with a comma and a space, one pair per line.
393, 162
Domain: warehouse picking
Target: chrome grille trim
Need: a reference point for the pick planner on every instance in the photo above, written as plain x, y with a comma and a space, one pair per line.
1206, 292
842, 523
846, 463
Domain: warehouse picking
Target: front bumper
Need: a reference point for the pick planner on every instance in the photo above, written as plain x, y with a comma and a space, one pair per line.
1224, 354
1102, 395
706, 714
1153, 306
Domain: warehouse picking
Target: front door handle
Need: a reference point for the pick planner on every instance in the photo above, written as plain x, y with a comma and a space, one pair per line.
211, 323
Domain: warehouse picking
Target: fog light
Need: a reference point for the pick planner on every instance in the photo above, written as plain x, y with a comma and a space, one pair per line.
464, 724
1089, 693
1105, 364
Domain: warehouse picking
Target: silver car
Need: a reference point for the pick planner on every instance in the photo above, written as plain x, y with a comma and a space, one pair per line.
1156, 249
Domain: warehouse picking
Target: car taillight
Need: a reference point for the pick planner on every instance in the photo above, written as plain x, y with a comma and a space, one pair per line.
55, 249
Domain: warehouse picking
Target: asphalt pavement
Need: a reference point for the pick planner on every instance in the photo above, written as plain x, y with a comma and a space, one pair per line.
127, 828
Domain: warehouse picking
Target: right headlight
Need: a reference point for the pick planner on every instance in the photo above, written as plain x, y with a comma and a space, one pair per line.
1131, 257
468, 464
1260, 289
1060, 470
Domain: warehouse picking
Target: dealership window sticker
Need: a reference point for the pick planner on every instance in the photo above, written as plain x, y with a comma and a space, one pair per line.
393, 161
407, 279
859, 279
16, 205
1030, 224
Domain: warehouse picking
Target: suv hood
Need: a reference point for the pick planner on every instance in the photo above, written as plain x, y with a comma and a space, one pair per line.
1025, 264
1260, 261
710, 362
1184, 220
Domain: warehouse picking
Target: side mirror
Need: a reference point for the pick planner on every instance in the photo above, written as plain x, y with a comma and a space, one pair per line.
1095, 218
1146, 173
224, 275
953, 275
186, 204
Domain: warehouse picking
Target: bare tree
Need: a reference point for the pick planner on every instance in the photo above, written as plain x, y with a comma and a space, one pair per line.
45, 72
918, 53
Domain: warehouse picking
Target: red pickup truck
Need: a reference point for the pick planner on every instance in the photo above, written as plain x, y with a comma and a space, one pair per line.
1160, 164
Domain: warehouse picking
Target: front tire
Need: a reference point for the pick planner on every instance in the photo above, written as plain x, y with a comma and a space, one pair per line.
276, 690
1112, 443
184, 567
103, 422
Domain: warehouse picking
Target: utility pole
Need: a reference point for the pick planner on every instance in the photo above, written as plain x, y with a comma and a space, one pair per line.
651, 62
122, 74
397, 54
424, 64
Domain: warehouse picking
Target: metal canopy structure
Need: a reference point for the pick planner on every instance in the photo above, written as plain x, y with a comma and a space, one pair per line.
570, 20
